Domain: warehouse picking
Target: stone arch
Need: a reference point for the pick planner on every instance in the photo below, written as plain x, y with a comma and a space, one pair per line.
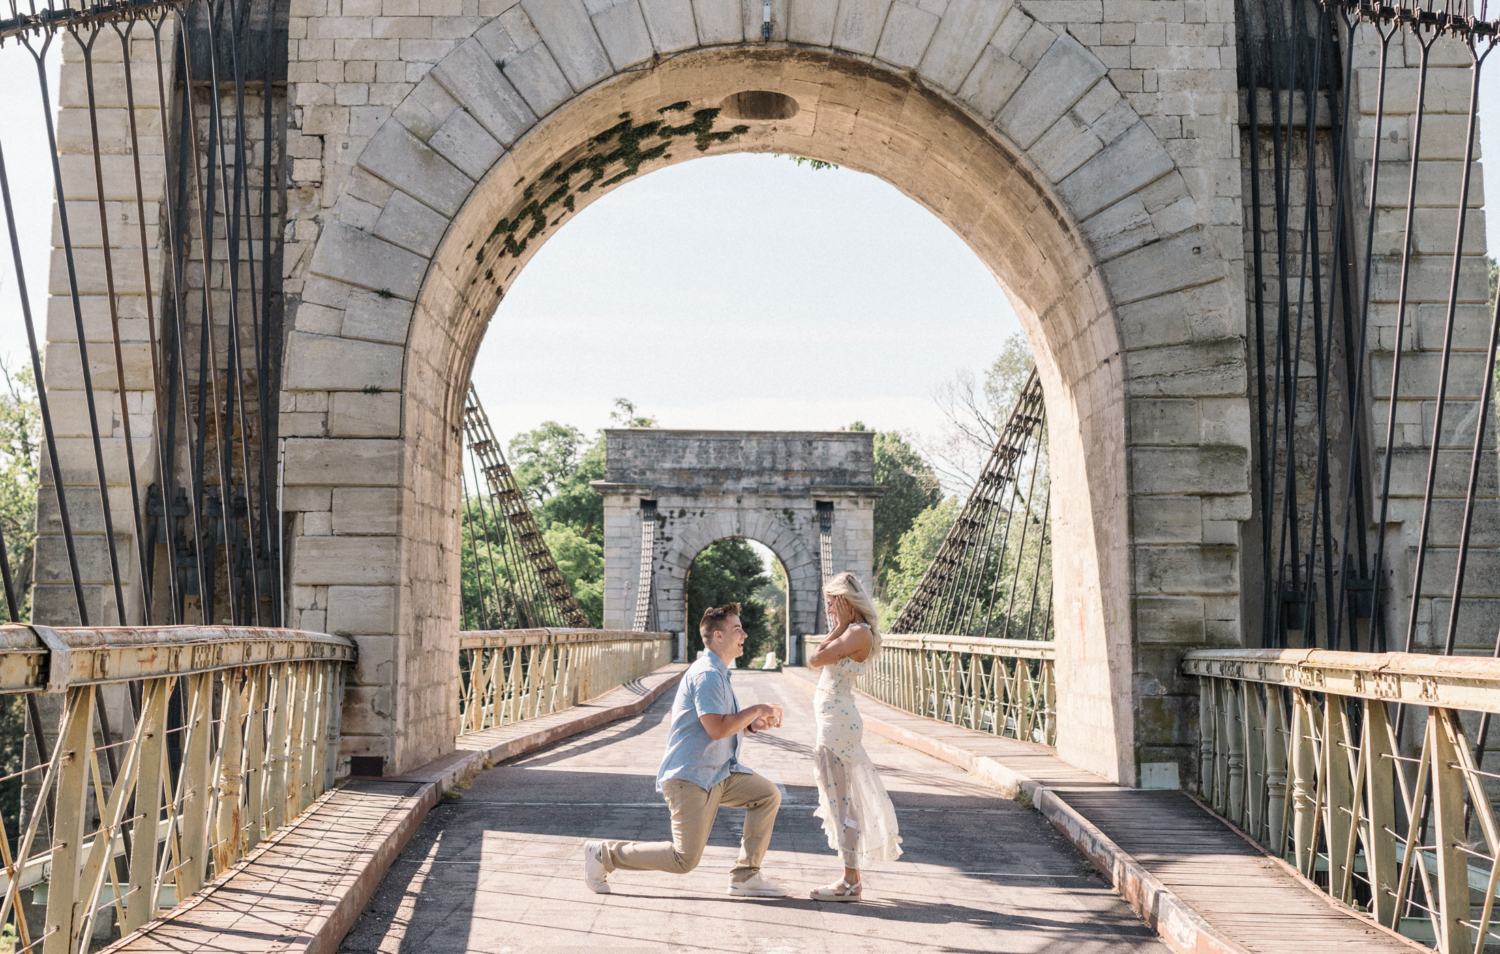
700, 486
1011, 129
804, 576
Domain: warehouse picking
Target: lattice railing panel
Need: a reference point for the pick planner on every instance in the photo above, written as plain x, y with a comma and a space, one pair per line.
1358, 769
508, 676
1004, 687
228, 734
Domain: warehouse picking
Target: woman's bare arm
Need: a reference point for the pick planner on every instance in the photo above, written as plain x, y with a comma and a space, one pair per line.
853, 641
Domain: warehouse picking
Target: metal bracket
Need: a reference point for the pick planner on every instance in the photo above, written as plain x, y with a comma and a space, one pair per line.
59, 658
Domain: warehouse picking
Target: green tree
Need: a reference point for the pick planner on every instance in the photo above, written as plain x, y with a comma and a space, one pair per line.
976, 413
573, 502
730, 571
915, 553
546, 456
911, 487
20, 449
489, 596
554, 464
581, 560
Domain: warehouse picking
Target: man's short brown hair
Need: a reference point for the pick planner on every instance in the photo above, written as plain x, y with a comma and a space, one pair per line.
714, 616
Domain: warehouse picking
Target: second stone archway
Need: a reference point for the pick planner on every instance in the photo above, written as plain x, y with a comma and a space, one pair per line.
793, 491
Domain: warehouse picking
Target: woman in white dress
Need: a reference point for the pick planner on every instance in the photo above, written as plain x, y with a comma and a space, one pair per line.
856, 812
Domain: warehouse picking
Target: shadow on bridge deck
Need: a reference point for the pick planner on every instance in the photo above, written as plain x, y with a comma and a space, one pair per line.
499, 871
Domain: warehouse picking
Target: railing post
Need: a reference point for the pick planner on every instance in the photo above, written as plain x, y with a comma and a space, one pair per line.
140, 899
976, 692
255, 756
279, 679
307, 761
313, 733
1380, 812
195, 779
227, 842
1340, 811
1254, 735
916, 680
1208, 727
63, 917
1304, 782
291, 792
1448, 813
335, 724
1049, 696
1232, 731
1277, 744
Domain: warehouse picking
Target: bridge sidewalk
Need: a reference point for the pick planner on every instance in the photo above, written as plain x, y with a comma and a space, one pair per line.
1204, 887
302, 889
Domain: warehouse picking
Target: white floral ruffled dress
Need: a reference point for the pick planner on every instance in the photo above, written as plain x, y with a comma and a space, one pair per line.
856, 811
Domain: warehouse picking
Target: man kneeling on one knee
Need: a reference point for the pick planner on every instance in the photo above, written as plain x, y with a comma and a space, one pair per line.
701, 771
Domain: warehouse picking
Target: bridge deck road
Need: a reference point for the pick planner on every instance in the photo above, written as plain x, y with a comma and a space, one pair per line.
499, 871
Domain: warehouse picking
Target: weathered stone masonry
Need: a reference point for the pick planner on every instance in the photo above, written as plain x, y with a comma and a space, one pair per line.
710, 485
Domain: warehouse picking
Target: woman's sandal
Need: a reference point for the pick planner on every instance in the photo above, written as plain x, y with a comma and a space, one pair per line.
838, 891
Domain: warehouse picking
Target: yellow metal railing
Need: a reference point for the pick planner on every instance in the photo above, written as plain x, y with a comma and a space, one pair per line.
509, 675
1359, 769
1002, 686
169, 753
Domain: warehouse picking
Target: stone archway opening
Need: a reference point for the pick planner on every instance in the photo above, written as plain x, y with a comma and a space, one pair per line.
739, 570
851, 114
461, 186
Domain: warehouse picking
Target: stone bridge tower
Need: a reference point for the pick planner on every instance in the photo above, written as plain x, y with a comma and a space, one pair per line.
775, 487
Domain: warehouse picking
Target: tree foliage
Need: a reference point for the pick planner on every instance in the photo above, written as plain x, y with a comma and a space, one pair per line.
20, 451
975, 412
545, 457
730, 571
914, 553
911, 488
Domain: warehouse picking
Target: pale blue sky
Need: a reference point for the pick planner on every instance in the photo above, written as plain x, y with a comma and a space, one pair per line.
733, 292
744, 292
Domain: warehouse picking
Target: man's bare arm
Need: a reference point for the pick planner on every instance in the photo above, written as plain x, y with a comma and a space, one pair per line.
723, 726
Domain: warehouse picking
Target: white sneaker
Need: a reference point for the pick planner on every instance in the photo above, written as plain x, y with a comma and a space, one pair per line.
594, 872
756, 886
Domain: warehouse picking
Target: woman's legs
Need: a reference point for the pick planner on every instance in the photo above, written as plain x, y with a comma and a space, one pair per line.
849, 848
833, 779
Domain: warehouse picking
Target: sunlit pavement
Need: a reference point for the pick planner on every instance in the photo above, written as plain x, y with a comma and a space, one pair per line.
499, 871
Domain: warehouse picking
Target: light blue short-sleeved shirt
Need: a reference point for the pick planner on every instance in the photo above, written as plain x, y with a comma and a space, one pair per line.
691, 755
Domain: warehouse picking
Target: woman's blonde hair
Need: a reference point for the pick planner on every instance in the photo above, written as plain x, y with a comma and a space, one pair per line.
847, 585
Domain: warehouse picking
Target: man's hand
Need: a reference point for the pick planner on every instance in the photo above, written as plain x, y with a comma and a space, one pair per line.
759, 725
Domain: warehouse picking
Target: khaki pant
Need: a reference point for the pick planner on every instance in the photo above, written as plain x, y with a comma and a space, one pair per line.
693, 811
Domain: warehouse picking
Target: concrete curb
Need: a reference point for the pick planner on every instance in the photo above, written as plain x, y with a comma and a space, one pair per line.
1183, 930
324, 929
